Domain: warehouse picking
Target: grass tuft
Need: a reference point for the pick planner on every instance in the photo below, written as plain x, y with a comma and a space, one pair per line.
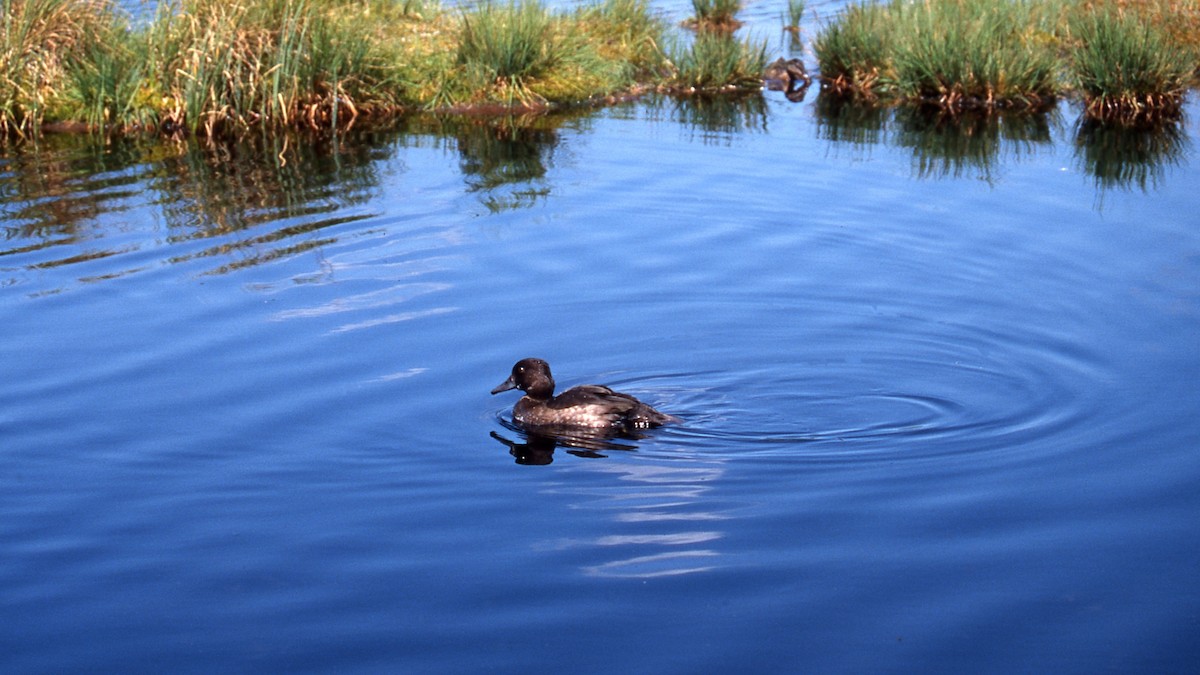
217, 66
521, 54
970, 54
854, 51
715, 15
1128, 71
718, 61
794, 15
956, 54
509, 41
39, 40
626, 31
959, 55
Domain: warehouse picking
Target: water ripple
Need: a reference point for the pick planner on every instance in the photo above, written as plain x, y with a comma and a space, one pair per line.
918, 399
940, 389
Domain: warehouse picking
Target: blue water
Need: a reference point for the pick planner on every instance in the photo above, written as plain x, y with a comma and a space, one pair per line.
939, 405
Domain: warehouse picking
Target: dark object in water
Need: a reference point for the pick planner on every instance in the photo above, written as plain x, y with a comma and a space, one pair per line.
590, 405
788, 76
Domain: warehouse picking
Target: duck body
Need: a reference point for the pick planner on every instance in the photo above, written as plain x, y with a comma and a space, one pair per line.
588, 406
786, 75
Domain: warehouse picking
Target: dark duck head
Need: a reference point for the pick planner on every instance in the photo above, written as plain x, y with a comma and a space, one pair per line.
588, 405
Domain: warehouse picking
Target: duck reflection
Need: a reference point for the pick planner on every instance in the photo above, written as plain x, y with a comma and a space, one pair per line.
536, 447
650, 518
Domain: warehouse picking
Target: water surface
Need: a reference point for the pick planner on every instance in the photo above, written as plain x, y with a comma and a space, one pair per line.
938, 389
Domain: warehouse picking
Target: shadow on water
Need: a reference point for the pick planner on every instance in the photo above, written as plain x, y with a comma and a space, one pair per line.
262, 198
948, 146
943, 146
1124, 158
713, 120
240, 202
249, 201
61, 197
498, 156
40, 185
842, 121
232, 205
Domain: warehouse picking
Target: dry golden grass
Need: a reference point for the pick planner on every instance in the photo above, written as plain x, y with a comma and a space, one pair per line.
39, 40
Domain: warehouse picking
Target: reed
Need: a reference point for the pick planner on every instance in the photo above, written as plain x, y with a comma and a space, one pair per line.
39, 42
510, 41
793, 16
855, 51
716, 15
626, 31
1127, 69
216, 66
1177, 22
250, 63
105, 82
795, 13
961, 54
520, 54
717, 61
955, 54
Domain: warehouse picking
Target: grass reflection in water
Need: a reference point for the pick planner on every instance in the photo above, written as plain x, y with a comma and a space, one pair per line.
239, 204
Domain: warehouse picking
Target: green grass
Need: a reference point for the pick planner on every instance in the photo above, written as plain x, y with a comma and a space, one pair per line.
105, 81
717, 61
520, 54
794, 15
854, 52
716, 15
509, 41
215, 67
973, 53
992, 54
1126, 68
625, 31
221, 66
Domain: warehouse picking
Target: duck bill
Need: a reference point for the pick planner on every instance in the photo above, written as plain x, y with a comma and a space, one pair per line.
505, 385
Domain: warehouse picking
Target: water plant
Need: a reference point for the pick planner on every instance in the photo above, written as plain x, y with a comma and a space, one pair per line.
509, 41
954, 54
39, 40
1128, 71
854, 51
215, 66
717, 61
715, 15
520, 53
291, 62
960, 54
627, 31
795, 13
105, 81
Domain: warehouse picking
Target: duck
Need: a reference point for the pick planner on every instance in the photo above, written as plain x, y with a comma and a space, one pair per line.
589, 406
786, 75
